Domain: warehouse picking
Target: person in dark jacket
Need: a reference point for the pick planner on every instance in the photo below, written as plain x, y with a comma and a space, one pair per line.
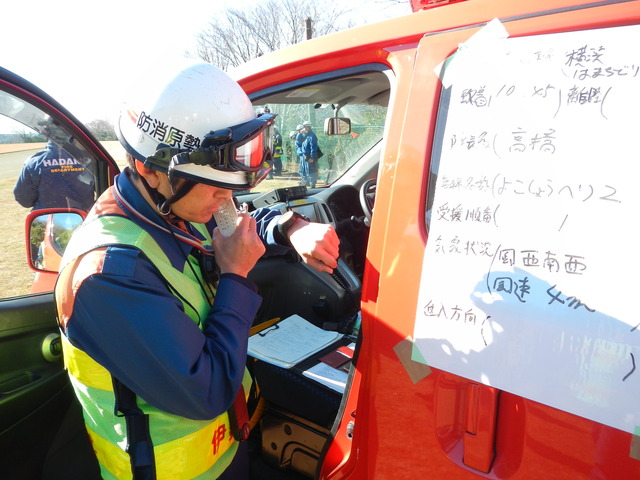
52, 178
310, 151
303, 166
277, 153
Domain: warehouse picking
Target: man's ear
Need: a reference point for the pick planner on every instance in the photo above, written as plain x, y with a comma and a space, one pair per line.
149, 174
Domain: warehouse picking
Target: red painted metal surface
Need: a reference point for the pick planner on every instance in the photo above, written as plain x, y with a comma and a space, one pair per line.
442, 426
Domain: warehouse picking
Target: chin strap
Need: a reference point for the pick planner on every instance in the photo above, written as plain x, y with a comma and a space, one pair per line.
163, 204
165, 207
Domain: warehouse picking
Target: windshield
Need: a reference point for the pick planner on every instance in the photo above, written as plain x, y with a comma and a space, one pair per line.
361, 99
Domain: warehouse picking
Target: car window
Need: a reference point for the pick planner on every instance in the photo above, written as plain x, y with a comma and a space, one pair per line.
42, 167
361, 98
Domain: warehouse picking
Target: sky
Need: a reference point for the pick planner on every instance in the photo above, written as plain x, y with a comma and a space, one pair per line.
82, 53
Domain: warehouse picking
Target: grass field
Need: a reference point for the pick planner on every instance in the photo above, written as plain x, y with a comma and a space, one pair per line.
15, 275
20, 147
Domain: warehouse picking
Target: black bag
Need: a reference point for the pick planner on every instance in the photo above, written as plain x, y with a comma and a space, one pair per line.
320, 154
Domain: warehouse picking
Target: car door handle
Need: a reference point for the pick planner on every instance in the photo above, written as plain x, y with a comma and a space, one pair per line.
52, 347
480, 426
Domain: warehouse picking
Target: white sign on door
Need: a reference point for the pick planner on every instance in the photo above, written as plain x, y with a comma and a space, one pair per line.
528, 279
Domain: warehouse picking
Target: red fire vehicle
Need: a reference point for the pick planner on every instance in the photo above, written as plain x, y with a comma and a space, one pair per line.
479, 167
481, 356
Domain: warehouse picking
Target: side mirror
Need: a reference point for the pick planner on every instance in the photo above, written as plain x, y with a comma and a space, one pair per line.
48, 233
337, 126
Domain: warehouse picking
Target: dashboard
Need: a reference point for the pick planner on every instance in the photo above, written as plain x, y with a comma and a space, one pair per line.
334, 205
338, 205
309, 210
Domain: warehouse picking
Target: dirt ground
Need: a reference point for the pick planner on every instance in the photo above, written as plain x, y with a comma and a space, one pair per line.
113, 147
19, 147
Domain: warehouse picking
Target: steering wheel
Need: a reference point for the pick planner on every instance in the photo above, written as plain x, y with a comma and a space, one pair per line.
368, 197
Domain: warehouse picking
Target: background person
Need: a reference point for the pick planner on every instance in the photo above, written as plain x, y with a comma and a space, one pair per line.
310, 151
303, 166
277, 152
155, 338
291, 156
52, 178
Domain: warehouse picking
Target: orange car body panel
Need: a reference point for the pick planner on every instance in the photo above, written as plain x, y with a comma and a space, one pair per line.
442, 426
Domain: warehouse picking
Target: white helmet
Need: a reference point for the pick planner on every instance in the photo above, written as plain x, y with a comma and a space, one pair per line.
197, 124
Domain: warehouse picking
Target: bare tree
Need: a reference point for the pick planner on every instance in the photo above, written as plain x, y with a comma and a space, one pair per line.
102, 130
241, 35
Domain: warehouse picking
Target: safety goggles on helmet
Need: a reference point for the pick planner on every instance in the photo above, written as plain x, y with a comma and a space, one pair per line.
241, 147
236, 158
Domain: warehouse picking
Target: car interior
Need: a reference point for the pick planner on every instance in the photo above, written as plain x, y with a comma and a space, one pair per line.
291, 413
297, 414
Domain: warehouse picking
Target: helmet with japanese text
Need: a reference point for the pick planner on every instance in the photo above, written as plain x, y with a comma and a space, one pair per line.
198, 124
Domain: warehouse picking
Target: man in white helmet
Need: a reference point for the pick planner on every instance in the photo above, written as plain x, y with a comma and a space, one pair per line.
154, 335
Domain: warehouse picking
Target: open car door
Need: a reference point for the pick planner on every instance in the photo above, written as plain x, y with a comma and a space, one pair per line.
41, 429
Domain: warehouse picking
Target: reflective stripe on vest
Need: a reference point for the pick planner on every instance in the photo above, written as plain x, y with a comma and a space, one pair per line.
171, 459
183, 448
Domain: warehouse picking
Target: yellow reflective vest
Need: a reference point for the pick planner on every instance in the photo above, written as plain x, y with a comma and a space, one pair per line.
182, 448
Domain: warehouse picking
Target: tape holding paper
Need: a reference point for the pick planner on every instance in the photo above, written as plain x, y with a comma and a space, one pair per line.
486, 37
634, 451
416, 370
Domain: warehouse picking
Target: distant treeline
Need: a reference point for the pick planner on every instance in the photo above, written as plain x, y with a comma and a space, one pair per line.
101, 129
21, 137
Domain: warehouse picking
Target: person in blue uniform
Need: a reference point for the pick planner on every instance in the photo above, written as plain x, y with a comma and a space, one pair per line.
310, 151
52, 178
303, 166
